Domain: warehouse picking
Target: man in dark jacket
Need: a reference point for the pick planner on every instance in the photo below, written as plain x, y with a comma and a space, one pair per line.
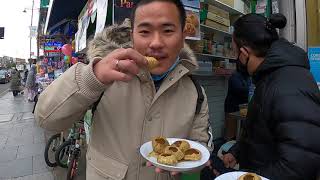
238, 89
280, 139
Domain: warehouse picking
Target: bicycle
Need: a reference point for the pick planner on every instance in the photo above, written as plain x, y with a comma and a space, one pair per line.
71, 149
51, 147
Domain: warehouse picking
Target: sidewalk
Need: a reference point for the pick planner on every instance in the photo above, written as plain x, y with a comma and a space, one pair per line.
22, 144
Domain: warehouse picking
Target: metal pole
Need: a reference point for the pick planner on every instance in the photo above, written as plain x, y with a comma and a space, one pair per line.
30, 30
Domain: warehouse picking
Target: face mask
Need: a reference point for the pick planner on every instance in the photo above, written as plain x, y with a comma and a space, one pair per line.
242, 68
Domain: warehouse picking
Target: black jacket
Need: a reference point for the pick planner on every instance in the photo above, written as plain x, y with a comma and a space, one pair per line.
281, 136
238, 89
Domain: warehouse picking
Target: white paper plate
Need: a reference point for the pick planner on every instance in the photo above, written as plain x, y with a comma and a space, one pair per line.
234, 176
146, 148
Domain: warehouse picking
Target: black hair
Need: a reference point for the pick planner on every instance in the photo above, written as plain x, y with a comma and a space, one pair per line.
177, 3
258, 32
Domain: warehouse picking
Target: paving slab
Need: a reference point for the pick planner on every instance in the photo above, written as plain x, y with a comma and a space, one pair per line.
30, 150
26, 124
16, 168
14, 132
28, 115
41, 176
39, 165
39, 138
32, 131
3, 140
5, 117
19, 140
8, 154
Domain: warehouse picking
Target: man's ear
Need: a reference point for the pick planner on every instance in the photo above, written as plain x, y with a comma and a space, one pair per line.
244, 52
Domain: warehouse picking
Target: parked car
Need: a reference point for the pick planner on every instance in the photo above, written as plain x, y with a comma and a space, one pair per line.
4, 76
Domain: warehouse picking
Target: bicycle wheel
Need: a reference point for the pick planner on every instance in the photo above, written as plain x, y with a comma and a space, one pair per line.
62, 153
50, 149
73, 165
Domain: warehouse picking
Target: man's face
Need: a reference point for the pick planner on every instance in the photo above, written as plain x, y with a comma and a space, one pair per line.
157, 32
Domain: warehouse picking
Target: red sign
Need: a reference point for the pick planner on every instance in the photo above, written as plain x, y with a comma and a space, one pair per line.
53, 50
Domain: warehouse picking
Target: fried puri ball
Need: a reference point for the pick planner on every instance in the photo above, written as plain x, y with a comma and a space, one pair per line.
175, 151
192, 155
152, 62
249, 176
182, 145
159, 144
168, 159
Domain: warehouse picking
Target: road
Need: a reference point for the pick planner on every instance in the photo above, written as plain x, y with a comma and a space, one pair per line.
4, 88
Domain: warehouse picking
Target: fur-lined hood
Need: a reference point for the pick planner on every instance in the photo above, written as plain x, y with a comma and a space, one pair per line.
118, 36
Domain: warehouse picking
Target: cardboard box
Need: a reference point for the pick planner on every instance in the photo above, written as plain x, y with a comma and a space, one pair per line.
216, 25
228, 2
218, 19
218, 11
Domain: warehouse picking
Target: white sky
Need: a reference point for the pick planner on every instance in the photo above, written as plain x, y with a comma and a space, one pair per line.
16, 39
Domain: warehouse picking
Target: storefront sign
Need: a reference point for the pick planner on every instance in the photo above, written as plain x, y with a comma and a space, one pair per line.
57, 44
52, 47
314, 58
122, 9
53, 54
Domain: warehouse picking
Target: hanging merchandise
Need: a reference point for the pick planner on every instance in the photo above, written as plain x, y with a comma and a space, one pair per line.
73, 44
262, 7
76, 41
67, 59
45, 61
60, 64
67, 49
74, 60
93, 16
102, 9
38, 68
42, 70
90, 7
82, 36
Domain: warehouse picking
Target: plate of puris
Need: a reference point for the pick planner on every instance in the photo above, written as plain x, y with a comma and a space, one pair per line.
175, 154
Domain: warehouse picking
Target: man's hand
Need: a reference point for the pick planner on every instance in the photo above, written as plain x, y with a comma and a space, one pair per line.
119, 65
229, 160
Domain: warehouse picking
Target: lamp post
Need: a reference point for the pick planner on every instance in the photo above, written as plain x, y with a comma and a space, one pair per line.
31, 26
30, 29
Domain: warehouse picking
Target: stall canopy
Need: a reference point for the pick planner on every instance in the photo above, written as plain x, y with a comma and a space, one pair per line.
62, 9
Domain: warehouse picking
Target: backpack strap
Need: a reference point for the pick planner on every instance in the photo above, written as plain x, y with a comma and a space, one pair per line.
200, 98
95, 104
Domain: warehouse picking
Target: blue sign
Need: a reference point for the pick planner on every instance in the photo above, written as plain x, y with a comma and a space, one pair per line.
314, 58
56, 44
